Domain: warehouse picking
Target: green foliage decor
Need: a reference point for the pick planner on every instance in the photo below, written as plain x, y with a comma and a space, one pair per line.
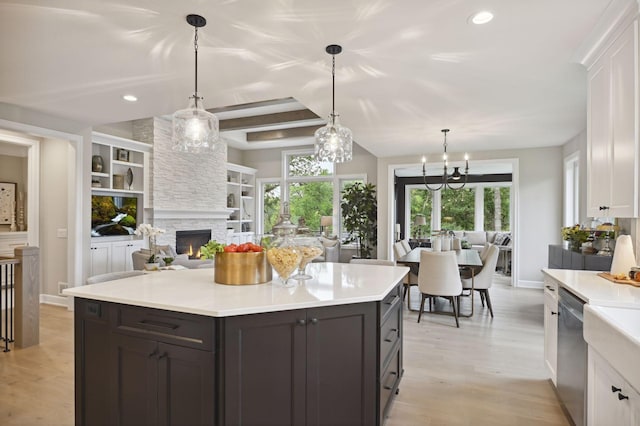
575, 235
359, 213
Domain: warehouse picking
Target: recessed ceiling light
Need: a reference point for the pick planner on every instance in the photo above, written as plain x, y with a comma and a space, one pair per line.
129, 98
482, 17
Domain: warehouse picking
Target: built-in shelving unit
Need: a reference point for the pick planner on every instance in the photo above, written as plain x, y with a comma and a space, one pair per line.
123, 164
241, 200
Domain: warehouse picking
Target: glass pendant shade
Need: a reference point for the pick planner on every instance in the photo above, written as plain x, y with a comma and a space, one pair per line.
195, 129
334, 142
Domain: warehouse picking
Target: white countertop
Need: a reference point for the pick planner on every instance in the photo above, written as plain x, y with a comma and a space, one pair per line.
194, 291
596, 290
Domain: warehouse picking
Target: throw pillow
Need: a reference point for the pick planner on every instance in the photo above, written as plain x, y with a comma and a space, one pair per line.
476, 238
499, 240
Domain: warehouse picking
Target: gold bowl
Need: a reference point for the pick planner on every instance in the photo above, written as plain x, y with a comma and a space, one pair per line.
242, 268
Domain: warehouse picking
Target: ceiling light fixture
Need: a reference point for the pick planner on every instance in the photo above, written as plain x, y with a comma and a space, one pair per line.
481, 18
333, 141
130, 98
193, 128
455, 180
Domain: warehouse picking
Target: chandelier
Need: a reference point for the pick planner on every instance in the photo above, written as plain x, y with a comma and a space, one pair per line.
455, 180
333, 141
194, 129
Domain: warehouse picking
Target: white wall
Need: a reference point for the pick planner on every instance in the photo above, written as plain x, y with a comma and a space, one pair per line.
539, 205
53, 213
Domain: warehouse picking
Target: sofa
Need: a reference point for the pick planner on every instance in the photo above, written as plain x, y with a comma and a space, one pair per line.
477, 239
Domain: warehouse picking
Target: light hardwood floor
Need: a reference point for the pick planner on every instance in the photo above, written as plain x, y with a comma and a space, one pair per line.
487, 372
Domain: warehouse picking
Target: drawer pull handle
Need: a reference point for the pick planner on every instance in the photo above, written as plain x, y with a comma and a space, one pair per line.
154, 353
392, 331
301, 322
164, 355
615, 389
621, 396
554, 313
159, 324
387, 387
314, 320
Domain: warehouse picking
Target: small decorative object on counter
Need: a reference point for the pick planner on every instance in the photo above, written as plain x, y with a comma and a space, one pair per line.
243, 264
576, 236
97, 164
283, 255
152, 263
310, 247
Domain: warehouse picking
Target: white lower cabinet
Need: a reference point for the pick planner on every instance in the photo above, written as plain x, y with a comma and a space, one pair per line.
610, 399
551, 327
113, 256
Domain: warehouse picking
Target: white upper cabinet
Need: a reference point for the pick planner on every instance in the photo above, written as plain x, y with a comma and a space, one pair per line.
612, 136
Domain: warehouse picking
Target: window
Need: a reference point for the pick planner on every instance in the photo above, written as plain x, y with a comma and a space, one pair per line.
468, 209
311, 188
496, 208
572, 190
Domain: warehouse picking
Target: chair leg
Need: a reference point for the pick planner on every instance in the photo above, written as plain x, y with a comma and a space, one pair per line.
482, 297
486, 296
421, 307
455, 311
406, 288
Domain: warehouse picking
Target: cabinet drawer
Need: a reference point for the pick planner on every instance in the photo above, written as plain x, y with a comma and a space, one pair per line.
390, 334
189, 330
91, 309
389, 381
389, 302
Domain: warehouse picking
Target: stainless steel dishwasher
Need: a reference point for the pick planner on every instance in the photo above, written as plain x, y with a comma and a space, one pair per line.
572, 356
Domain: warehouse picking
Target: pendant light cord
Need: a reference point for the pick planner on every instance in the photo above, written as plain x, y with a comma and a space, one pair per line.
333, 91
195, 49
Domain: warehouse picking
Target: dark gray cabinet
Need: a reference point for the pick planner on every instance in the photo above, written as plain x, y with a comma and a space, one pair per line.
318, 366
562, 258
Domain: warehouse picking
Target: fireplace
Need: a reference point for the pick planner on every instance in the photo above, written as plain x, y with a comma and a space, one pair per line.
189, 242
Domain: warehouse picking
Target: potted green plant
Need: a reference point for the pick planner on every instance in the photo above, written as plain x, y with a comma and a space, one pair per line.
359, 213
152, 263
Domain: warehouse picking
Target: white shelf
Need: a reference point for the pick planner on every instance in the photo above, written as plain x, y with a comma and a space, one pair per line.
241, 184
126, 164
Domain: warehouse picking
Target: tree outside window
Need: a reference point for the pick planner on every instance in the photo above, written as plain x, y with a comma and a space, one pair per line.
421, 203
458, 208
497, 208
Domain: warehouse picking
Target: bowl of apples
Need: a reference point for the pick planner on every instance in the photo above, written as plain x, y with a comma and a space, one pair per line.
238, 264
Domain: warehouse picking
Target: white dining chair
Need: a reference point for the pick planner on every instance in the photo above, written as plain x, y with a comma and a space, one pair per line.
411, 279
439, 276
484, 278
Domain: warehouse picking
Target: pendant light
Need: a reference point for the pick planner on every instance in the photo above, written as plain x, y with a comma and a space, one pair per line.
455, 180
194, 129
333, 142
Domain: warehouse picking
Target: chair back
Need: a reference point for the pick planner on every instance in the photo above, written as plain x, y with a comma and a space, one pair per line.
484, 278
139, 258
110, 276
399, 250
438, 275
405, 244
374, 262
483, 253
456, 244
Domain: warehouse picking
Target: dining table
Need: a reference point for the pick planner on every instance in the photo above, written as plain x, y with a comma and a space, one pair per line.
466, 258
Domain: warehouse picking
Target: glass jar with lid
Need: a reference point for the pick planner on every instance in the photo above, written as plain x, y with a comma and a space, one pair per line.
310, 247
283, 255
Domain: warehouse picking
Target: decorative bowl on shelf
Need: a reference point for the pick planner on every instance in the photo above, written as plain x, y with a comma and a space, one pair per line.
241, 268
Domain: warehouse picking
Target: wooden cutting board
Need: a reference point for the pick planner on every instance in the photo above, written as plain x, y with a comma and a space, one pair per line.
608, 276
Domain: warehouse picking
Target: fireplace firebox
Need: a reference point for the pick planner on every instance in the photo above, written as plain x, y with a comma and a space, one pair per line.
189, 242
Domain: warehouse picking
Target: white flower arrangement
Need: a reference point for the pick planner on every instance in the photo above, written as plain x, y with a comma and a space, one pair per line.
148, 231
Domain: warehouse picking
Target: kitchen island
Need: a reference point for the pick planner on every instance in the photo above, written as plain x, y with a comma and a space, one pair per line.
173, 347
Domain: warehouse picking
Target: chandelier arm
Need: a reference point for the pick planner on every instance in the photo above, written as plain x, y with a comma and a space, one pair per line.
433, 189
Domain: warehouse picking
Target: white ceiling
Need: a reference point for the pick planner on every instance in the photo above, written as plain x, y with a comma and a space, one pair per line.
408, 69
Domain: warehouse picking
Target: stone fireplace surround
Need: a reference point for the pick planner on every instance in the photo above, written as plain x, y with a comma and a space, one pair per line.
185, 191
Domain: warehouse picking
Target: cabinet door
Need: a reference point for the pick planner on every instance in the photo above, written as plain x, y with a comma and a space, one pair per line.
100, 258
185, 386
342, 365
624, 151
599, 139
119, 254
605, 408
134, 380
551, 334
264, 369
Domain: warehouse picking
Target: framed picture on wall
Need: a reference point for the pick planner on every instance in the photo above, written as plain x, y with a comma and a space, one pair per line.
122, 155
7, 202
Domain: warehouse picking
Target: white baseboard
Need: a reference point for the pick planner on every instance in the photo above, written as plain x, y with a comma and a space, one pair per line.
49, 299
530, 284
